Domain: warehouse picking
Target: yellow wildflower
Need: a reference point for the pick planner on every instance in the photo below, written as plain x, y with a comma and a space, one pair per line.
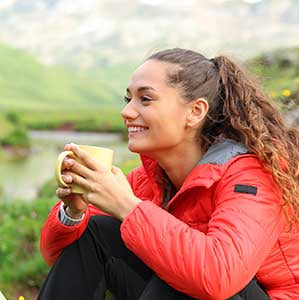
21, 298
286, 93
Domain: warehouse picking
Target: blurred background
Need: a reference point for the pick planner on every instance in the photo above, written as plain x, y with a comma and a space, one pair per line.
64, 67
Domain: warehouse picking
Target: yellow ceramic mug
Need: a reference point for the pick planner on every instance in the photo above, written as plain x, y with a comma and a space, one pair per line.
103, 155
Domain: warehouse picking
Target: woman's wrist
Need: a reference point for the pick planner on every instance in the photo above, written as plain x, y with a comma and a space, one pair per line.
131, 204
74, 214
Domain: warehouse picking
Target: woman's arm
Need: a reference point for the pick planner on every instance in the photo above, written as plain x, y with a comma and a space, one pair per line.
55, 236
241, 232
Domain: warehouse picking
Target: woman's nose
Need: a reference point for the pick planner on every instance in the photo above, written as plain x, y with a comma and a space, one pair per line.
129, 111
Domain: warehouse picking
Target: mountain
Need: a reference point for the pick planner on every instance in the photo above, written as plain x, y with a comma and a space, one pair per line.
27, 84
89, 34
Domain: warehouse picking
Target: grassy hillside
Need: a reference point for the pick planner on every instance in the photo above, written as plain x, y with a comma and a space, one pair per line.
26, 84
19, 247
278, 72
54, 97
6, 126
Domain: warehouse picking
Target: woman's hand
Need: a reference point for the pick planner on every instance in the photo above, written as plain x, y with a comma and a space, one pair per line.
76, 206
106, 189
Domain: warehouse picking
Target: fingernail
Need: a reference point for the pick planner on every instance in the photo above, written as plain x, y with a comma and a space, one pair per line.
66, 178
69, 162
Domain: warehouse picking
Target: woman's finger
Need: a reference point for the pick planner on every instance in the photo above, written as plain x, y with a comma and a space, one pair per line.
67, 163
63, 192
66, 178
87, 197
83, 156
87, 159
117, 171
80, 169
78, 180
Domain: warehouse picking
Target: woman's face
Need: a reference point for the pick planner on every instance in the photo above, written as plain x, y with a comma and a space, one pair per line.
155, 113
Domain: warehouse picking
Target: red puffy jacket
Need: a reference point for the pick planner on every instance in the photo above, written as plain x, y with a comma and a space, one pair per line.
223, 226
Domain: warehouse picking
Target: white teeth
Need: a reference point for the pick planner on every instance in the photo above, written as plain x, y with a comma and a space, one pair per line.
136, 129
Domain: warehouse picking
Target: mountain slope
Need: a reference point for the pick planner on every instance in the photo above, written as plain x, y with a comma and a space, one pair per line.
92, 33
26, 84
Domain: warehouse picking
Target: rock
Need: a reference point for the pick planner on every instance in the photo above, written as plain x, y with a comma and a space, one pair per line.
292, 117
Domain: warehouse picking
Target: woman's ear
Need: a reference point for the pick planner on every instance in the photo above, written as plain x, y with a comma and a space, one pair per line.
198, 111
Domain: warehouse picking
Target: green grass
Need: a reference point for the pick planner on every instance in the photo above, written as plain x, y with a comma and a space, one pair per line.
20, 262
101, 119
54, 97
119, 75
277, 71
13, 132
22, 268
26, 84
5, 125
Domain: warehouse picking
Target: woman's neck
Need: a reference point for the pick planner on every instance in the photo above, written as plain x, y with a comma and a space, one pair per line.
179, 164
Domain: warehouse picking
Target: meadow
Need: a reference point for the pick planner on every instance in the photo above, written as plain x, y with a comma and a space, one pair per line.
56, 97
22, 267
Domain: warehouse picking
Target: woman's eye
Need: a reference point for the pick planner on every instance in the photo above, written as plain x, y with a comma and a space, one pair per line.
145, 99
142, 98
127, 99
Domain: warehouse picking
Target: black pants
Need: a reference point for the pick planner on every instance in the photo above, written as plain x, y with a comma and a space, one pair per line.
99, 261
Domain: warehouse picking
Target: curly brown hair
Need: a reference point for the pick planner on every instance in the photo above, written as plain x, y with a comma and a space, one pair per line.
239, 110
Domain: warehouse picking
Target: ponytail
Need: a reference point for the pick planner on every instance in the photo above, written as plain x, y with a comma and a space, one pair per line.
240, 111
252, 120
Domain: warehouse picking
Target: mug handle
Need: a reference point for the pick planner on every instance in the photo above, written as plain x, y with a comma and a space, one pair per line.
58, 166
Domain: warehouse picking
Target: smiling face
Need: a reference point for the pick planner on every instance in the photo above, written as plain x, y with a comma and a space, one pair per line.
155, 113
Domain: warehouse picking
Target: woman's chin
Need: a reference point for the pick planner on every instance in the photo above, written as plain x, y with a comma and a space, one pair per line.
134, 147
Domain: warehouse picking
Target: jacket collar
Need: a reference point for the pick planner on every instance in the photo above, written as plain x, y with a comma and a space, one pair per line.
207, 171
222, 152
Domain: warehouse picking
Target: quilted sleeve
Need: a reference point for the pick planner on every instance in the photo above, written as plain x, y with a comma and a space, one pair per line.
55, 236
241, 232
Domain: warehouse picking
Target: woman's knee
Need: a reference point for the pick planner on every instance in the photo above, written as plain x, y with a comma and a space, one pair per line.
105, 224
105, 232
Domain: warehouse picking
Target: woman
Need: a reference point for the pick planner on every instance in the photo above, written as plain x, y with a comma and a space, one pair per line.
207, 214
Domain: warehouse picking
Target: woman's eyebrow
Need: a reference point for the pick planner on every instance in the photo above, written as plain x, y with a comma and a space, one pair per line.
142, 88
